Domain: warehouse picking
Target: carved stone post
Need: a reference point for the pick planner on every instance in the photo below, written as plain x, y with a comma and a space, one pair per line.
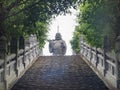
14, 49
22, 46
105, 48
21, 43
81, 44
117, 52
3, 49
96, 57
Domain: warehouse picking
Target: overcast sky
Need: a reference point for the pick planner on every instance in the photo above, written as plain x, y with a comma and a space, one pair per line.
66, 27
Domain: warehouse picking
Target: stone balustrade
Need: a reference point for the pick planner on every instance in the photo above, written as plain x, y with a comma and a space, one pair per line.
104, 64
14, 65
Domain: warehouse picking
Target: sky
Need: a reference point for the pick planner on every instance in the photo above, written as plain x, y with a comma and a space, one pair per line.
66, 25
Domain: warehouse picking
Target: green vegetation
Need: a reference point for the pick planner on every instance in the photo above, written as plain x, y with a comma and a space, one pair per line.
96, 19
25, 17
75, 42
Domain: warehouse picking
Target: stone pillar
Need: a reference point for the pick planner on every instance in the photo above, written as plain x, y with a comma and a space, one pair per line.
21, 43
90, 53
3, 50
28, 42
96, 56
22, 46
105, 49
81, 44
13, 45
14, 49
117, 52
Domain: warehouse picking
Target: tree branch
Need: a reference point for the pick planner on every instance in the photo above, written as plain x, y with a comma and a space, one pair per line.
14, 14
12, 5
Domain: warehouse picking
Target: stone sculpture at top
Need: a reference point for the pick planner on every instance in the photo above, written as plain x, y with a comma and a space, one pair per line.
57, 46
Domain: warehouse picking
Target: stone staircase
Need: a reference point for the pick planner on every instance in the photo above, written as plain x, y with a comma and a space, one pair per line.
59, 73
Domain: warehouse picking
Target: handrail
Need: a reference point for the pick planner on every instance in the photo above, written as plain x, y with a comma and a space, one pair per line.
103, 62
17, 64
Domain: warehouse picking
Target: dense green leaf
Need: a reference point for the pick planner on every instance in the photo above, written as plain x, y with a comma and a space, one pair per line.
25, 17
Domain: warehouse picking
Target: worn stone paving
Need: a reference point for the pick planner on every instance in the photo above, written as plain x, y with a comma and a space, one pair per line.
59, 73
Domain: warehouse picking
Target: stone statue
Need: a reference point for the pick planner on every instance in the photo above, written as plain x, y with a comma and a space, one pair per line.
57, 46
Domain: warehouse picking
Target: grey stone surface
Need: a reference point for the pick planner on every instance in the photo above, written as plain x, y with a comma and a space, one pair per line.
59, 73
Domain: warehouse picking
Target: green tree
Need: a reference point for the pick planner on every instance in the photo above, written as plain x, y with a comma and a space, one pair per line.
98, 18
25, 17
75, 42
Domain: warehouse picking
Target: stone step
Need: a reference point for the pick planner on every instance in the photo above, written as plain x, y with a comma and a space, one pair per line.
59, 73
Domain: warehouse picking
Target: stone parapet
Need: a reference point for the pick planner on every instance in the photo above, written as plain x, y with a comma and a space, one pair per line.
14, 65
104, 64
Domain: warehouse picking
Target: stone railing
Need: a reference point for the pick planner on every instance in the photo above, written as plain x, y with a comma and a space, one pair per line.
13, 66
104, 64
